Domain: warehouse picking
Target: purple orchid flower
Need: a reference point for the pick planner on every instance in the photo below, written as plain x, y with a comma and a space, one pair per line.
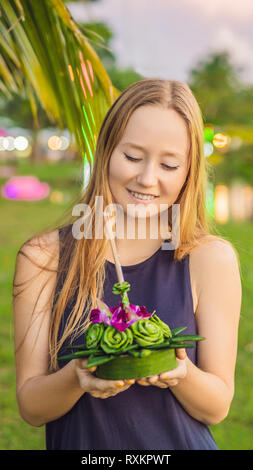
120, 317
98, 316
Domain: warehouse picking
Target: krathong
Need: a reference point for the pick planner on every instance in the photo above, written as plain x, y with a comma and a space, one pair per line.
126, 341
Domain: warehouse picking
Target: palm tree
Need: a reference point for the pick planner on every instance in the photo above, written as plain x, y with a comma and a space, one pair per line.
46, 55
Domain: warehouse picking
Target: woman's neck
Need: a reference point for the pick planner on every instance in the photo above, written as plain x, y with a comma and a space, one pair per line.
136, 247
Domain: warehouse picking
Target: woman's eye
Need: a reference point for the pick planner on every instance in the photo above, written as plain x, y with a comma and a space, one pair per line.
132, 159
170, 167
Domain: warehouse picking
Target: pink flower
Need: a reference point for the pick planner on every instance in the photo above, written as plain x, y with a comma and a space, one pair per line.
98, 316
120, 317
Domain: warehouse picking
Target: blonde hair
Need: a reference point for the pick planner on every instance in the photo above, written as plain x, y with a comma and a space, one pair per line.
82, 263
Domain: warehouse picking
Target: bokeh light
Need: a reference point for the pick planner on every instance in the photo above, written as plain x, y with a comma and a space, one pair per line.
208, 133
221, 140
221, 203
21, 143
25, 188
208, 149
58, 143
56, 197
8, 143
54, 142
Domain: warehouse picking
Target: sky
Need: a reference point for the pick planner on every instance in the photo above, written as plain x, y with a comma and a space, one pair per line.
167, 38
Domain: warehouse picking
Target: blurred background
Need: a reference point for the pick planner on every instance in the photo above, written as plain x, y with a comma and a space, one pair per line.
61, 67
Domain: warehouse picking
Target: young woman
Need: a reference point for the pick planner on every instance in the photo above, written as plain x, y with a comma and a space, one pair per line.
151, 144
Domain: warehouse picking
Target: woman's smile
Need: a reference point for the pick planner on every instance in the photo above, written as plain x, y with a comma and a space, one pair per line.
141, 197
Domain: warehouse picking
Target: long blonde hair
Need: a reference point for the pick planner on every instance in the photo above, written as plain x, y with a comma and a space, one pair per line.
82, 262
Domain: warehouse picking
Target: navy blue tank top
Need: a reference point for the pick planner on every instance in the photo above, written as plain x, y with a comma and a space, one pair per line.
141, 417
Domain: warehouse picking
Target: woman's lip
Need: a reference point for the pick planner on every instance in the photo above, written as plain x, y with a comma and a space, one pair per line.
142, 200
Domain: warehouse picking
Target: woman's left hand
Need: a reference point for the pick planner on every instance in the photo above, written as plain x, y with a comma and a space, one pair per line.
171, 377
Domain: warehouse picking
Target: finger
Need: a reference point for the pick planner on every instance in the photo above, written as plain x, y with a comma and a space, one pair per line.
142, 381
170, 374
82, 363
178, 372
153, 379
92, 369
181, 353
122, 383
161, 384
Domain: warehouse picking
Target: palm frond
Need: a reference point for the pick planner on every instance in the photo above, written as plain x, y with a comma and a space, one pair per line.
44, 50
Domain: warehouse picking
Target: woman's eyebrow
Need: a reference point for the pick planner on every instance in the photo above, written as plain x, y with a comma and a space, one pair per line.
165, 153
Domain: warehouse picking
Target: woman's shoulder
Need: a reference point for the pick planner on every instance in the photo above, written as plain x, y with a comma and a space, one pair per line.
214, 249
42, 247
209, 259
36, 261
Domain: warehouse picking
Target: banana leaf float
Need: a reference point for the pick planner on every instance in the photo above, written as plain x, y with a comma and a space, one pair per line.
127, 342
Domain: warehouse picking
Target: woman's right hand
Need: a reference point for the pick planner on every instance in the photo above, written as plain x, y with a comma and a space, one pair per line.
96, 387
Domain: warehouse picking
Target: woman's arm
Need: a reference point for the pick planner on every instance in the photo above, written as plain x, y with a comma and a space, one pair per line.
38, 394
206, 390
41, 396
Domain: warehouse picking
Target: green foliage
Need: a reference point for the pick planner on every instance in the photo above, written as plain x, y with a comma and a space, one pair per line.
237, 165
223, 98
227, 104
47, 54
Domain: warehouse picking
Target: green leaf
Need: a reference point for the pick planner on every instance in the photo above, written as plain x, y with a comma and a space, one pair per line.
165, 344
74, 355
187, 338
96, 361
181, 345
175, 331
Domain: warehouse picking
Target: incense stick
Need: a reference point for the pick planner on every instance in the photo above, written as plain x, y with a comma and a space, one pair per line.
108, 228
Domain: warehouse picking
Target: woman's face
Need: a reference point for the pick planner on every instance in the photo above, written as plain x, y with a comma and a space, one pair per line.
161, 164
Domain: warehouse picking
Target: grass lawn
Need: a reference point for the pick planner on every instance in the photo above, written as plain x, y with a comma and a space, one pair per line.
19, 221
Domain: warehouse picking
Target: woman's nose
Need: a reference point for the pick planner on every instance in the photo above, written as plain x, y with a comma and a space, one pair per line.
147, 176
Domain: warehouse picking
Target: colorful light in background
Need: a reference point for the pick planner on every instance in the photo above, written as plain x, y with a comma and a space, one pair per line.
221, 204
58, 143
3, 132
25, 188
235, 143
10, 143
72, 78
21, 143
85, 73
210, 207
208, 133
221, 141
89, 133
208, 149
7, 143
86, 172
56, 197
215, 159
241, 202
90, 69
54, 142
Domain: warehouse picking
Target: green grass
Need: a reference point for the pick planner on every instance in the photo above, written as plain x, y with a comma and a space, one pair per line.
236, 431
19, 220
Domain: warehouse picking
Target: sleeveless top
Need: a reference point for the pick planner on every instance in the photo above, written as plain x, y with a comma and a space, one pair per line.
141, 417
